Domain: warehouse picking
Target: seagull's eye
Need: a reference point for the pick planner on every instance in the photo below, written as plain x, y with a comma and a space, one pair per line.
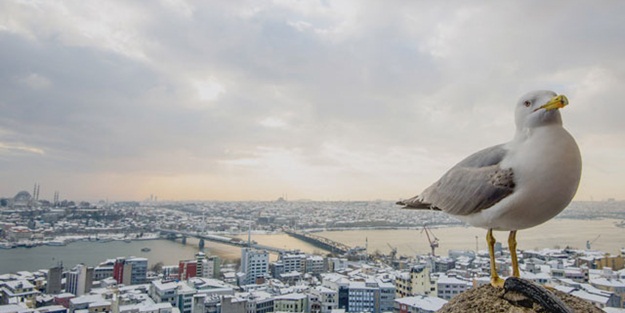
527, 103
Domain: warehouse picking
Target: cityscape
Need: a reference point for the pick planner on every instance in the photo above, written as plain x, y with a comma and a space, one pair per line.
330, 277
260, 156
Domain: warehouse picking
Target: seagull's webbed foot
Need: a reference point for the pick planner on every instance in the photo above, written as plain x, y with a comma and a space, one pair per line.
497, 282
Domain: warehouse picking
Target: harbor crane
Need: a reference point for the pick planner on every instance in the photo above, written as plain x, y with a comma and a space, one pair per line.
589, 242
432, 240
393, 251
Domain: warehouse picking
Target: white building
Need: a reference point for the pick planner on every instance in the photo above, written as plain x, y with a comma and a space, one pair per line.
370, 296
78, 280
18, 292
415, 282
597, 299
419, 304
293, 262
387, 296
128, 270
104, 270
164, 292
337, 264
448, 287
315, 264
254, 302
362, 298
327, 298
184, 295
255, 264
82, 303
292, 302
615, 286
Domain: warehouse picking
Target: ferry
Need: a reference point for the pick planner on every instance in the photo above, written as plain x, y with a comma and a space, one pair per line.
6, 245
56, 243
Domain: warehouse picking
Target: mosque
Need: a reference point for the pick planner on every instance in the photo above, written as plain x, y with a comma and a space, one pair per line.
22, 199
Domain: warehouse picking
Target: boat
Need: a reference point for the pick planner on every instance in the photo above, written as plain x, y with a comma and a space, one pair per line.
6, 245
25, 244
56, 243
146, 249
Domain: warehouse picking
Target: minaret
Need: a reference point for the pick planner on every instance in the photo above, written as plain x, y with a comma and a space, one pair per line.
249, 236
203, 220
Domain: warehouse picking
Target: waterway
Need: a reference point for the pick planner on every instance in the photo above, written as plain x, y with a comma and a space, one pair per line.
555, 233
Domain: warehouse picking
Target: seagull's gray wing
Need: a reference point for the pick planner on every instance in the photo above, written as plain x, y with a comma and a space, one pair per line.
474, 184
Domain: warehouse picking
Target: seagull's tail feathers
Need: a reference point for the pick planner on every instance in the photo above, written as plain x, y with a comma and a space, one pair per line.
416, 203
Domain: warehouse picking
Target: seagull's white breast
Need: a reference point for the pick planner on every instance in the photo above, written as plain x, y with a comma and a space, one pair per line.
547, 168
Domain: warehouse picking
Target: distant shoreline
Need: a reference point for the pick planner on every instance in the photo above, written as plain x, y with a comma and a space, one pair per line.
69, 239
103, 238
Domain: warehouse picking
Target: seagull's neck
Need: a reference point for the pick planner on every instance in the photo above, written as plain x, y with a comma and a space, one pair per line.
526, 133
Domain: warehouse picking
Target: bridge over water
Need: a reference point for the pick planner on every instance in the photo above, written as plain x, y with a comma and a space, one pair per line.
321, 242
173, 234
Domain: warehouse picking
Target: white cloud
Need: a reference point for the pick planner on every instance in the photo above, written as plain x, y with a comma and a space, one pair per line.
36, 81
113, 26
10, 148
209, 90
373, 96
273, 122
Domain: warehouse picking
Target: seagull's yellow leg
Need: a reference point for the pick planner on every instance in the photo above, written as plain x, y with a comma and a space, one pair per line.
512, 247
495, 281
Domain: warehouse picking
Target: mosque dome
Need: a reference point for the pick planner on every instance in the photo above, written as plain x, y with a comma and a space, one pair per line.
22, 196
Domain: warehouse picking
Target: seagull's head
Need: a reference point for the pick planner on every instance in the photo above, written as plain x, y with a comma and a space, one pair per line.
539, 108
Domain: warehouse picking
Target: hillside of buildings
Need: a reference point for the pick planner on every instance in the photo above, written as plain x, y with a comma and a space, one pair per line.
290, 281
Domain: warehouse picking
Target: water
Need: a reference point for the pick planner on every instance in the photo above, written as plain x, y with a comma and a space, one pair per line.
93, 253
555, 233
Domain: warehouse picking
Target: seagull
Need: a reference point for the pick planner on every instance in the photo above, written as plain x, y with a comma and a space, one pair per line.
515, 185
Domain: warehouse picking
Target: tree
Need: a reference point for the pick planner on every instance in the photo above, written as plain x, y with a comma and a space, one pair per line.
157, 268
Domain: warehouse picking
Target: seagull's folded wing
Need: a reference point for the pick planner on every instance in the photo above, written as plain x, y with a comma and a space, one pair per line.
474, 184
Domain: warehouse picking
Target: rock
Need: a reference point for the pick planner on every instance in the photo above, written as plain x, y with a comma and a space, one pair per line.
485, 299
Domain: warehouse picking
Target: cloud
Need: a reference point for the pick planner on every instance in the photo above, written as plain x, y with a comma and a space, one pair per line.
10, 148
379, 98
273, 122
35, 81
209, 90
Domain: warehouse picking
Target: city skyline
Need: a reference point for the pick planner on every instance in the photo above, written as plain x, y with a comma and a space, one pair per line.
324, 100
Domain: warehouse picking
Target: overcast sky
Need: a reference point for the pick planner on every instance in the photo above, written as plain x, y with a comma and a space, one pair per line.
324, 100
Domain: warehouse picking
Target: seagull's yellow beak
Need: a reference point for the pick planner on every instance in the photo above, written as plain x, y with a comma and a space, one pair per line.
556, 102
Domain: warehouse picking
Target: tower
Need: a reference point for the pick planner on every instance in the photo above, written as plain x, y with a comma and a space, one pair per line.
130, 271
200, 259
36, 192
54, 280
79, 280
254, 263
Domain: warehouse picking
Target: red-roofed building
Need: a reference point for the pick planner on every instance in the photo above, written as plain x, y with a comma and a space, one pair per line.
187, 269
